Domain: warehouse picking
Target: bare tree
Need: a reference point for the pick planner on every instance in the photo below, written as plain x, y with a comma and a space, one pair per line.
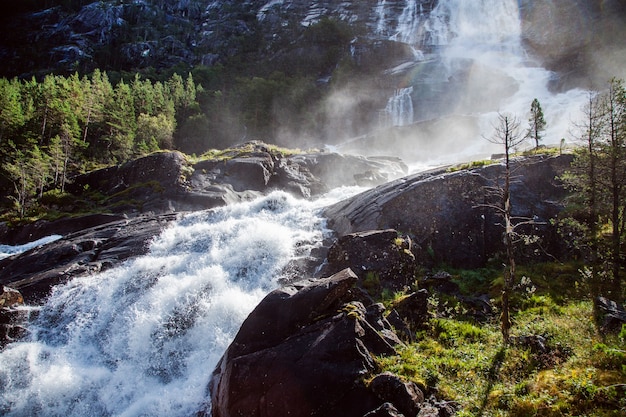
507, 134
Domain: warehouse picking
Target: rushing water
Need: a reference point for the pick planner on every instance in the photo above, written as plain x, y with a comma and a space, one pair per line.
142, 339
8, 250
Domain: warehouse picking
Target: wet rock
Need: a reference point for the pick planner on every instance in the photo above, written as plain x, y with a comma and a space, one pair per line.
10, 297
11, 318
445, 214
95, 249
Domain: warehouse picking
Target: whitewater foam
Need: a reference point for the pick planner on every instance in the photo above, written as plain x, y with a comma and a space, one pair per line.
142, 339
9, 250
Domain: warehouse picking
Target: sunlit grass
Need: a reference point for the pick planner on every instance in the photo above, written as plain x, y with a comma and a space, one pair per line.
468, 363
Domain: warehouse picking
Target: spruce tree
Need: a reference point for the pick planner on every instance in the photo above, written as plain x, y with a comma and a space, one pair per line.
537, 123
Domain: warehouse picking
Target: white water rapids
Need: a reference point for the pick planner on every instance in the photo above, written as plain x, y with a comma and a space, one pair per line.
142, 339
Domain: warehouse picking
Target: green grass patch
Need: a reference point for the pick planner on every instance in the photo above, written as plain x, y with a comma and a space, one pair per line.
464, 362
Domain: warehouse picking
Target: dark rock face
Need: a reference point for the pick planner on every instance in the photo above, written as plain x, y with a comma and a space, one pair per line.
35, 272
380, 258
445, 213
305, 350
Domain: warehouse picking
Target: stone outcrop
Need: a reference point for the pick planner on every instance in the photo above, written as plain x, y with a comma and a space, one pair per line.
88, 251
306, 350
11, 318
380, 258
446, 214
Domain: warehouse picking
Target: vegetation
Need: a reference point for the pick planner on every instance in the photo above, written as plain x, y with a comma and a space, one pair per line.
62, 125
545, 350
536, 123
578, 372
597, 216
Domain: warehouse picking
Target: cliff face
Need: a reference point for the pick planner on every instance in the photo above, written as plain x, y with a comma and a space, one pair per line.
164, 33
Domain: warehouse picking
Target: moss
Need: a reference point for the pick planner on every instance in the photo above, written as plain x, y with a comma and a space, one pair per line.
470, 165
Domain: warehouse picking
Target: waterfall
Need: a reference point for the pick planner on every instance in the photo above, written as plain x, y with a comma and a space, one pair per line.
400, 107
142, 339
407, 23
471, 64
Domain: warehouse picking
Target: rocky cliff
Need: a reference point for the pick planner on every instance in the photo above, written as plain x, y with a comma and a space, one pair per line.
83, 35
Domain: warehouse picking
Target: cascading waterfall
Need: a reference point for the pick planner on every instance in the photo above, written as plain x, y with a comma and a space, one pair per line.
142, 339
400, 107
485, 35
477, 67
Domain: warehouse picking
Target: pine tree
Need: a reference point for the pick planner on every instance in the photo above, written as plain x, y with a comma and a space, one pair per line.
537, 123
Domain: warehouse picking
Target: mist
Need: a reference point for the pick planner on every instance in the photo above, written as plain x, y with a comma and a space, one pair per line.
462, 65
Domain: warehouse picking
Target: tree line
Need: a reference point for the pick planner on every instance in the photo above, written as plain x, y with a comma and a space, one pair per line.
58, 124
594, 222
597, 217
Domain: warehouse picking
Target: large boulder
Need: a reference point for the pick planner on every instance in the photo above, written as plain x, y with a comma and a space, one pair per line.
306, 350
380, 258
257, 167
447, 213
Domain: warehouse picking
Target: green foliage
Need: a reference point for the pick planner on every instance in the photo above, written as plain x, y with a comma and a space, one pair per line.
371, 283
62, 124
466, 363
470, 165
536, 122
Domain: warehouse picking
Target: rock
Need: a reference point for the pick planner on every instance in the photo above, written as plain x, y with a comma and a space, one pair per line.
613, 314
10, 297
154, 183
95, 249
19, 235
380, 258
405, 396
444, 213
256, 167
385, 410
11, 319
304, 350
413, 309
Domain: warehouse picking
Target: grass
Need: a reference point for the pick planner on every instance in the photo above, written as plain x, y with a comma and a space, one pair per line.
581, 373
241, 151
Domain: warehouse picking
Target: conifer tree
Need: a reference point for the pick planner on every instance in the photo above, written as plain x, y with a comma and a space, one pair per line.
537, 123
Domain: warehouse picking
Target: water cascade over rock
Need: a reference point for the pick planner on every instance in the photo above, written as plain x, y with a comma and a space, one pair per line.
144, 337
466, 62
